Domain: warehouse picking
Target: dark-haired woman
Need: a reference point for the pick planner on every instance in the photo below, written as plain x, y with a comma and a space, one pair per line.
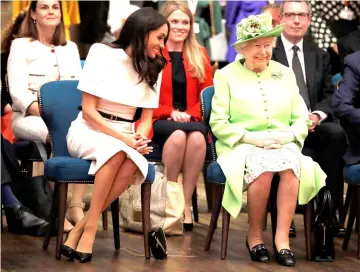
116, 80
41, 54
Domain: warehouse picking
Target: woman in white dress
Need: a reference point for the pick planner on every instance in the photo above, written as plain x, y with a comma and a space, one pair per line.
42, 54
117, 80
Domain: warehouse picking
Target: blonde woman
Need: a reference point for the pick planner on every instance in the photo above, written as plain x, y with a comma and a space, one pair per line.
177, 121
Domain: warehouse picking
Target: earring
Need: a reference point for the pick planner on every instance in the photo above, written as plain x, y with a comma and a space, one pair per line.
34, 21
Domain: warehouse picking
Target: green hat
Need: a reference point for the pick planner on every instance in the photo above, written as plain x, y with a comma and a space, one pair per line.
256, 26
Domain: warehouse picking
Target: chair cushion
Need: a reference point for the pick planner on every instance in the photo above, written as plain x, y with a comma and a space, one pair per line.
352, 174
73, 170
156, 155
215, 174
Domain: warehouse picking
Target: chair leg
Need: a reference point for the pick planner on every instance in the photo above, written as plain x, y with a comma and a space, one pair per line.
351, 220
225, 233
53, 215
218, 191
115, 219
347, 202
308, 215
105, 219
195, 206
63, 188
208, 188
145, 211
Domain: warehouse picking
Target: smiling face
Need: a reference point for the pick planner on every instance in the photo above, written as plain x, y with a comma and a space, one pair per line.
257, 53
179, 26
47, 14
156, 41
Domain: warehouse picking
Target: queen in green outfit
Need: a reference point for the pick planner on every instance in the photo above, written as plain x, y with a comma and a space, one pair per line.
261, 122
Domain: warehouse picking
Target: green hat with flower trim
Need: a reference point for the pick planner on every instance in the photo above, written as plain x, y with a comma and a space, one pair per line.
256, 26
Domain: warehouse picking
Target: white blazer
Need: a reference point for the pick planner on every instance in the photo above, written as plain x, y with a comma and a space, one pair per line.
32, 64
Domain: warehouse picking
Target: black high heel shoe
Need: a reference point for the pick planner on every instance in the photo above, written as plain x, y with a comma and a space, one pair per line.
66, 250
83, 257
258, 253
285, 257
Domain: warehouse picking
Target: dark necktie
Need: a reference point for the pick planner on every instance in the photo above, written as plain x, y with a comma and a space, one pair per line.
296, 65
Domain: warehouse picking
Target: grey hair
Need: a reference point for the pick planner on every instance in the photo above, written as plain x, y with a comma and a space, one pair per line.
240, 46
295, 1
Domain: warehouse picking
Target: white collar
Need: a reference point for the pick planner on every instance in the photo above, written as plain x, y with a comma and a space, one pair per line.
288, 45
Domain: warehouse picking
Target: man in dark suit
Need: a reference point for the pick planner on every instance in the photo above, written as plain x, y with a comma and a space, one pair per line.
326, 142
346, 103
347, 45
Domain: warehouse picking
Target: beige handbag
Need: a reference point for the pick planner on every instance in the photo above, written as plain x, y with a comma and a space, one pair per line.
166, 206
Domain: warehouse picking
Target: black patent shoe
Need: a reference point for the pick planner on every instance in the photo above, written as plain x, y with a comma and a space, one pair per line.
258, 253
188, 226
292, 232
83, 257
66, 250
285, 257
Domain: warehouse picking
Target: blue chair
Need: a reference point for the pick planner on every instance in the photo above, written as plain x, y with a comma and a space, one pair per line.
352, 178
59, 101
217, 178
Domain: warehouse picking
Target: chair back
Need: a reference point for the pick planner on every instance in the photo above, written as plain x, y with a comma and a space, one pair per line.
59, 102
205, 100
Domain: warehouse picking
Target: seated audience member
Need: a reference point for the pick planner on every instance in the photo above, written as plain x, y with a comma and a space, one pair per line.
9, 34
117, 80
178, 125
41, 54
261, 123
346, 103
347, 45
19, 219
274, 11
326, 142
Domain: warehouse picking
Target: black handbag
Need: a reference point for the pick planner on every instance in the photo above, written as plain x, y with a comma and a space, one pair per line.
158, 243
323, 230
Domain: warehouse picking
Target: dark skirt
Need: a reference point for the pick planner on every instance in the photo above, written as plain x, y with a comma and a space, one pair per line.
164, 128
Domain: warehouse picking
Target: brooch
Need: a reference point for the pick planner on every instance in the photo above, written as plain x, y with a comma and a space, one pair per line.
277, 75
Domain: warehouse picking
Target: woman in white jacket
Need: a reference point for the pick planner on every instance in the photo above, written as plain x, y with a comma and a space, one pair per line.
41, 55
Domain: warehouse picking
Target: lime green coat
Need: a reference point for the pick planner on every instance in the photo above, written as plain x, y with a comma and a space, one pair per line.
245, 101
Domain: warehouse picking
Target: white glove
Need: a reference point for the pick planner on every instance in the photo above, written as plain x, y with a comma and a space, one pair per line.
282, 137
260, 139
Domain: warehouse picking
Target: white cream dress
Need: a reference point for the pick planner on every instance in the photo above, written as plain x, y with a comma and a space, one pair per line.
108, 74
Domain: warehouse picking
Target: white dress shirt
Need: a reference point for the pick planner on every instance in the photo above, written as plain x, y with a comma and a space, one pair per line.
288, 46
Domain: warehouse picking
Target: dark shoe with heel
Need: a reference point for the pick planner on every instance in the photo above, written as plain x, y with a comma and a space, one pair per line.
66, 250
258, 253
83, 257
285, 257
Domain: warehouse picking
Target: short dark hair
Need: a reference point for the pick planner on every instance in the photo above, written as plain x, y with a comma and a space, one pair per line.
28, 28
298, 1
134, 34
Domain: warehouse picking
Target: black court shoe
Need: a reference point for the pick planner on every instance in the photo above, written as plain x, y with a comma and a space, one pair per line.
258, 253
285, 257
83, 257
66, 250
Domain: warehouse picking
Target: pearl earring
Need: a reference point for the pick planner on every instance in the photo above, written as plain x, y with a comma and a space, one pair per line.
34, 21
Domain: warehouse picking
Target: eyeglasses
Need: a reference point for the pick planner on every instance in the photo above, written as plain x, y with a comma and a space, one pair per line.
292, 15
